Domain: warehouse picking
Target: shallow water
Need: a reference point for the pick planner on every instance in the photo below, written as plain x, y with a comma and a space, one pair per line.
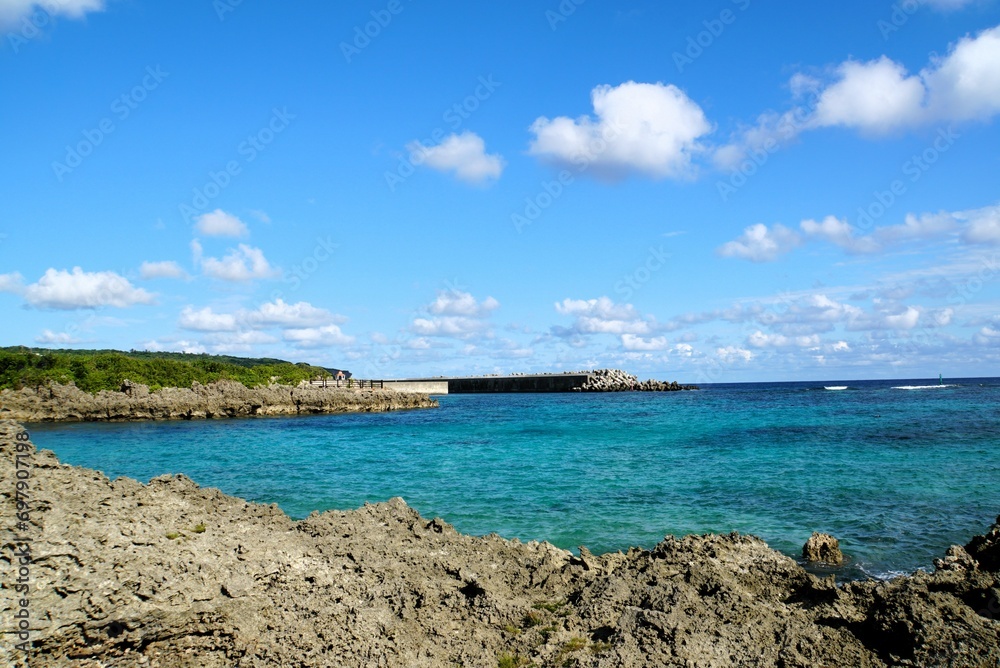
897, 475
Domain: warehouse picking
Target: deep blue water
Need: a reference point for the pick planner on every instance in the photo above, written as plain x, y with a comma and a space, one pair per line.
897, 475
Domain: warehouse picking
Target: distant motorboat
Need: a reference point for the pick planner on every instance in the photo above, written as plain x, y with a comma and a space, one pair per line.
834, 387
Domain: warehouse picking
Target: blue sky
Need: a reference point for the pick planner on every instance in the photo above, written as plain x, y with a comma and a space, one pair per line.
701, 191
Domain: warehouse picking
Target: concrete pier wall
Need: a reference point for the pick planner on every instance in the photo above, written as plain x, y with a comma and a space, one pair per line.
421, 386
561, 382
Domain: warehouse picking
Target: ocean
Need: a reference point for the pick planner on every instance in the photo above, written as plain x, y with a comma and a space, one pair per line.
897, 475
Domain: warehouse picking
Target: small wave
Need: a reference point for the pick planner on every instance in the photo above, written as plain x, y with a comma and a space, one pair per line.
834, 387
920, 387
885, 575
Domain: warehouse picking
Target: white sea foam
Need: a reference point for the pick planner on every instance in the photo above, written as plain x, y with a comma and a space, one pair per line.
920, 387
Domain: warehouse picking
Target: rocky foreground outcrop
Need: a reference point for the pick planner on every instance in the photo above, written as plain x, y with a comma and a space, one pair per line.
616, 380
173, 575
221, 399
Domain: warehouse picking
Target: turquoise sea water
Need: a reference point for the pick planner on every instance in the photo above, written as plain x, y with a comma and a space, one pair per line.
897, 475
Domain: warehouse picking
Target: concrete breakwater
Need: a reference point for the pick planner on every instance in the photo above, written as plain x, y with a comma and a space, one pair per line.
221, 399
174, 575
616, 380
600, 380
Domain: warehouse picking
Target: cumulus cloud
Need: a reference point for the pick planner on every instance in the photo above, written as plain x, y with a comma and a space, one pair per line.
280, 314
237, 342
635, 343
456, 314
241, 264
731, 354
838, 232
463, 155
207, 320
602, 316
12, 11
650, 129
876, 97
48, 337
65, 290
880, 96
13, 283
760, 339
317, 337
758, 243
276, 314
165, 269
462, 303
982, 225
218, 223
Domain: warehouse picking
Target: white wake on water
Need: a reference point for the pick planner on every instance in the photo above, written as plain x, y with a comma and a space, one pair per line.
920, 387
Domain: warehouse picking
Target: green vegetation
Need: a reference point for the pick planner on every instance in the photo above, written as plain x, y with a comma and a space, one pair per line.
96, 370
512, 661
199, 529
173, 535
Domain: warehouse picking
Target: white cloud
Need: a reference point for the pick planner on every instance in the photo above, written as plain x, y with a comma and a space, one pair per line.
733, 354
838, 232
965, 84
841, 347
280, 314
464, 155
760, 244
905, 320
218, 223
165, 269
181, 346
207, 320
237, 342
649, 129
876, 97
456, 302
456, 314
925, 226
244, 263
983, 225
452, 326
879, 96
761, 340
12, 282
603, 316
60, 289
12, 11
48, 337
632, 342
318, 337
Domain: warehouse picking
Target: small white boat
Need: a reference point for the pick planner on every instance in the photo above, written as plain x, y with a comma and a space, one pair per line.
834, 387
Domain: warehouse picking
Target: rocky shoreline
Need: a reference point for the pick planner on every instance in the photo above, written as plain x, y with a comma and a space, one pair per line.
173, 575
222, 399
616, 380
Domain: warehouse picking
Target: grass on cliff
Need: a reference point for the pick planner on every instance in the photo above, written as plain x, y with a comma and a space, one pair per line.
96, 370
